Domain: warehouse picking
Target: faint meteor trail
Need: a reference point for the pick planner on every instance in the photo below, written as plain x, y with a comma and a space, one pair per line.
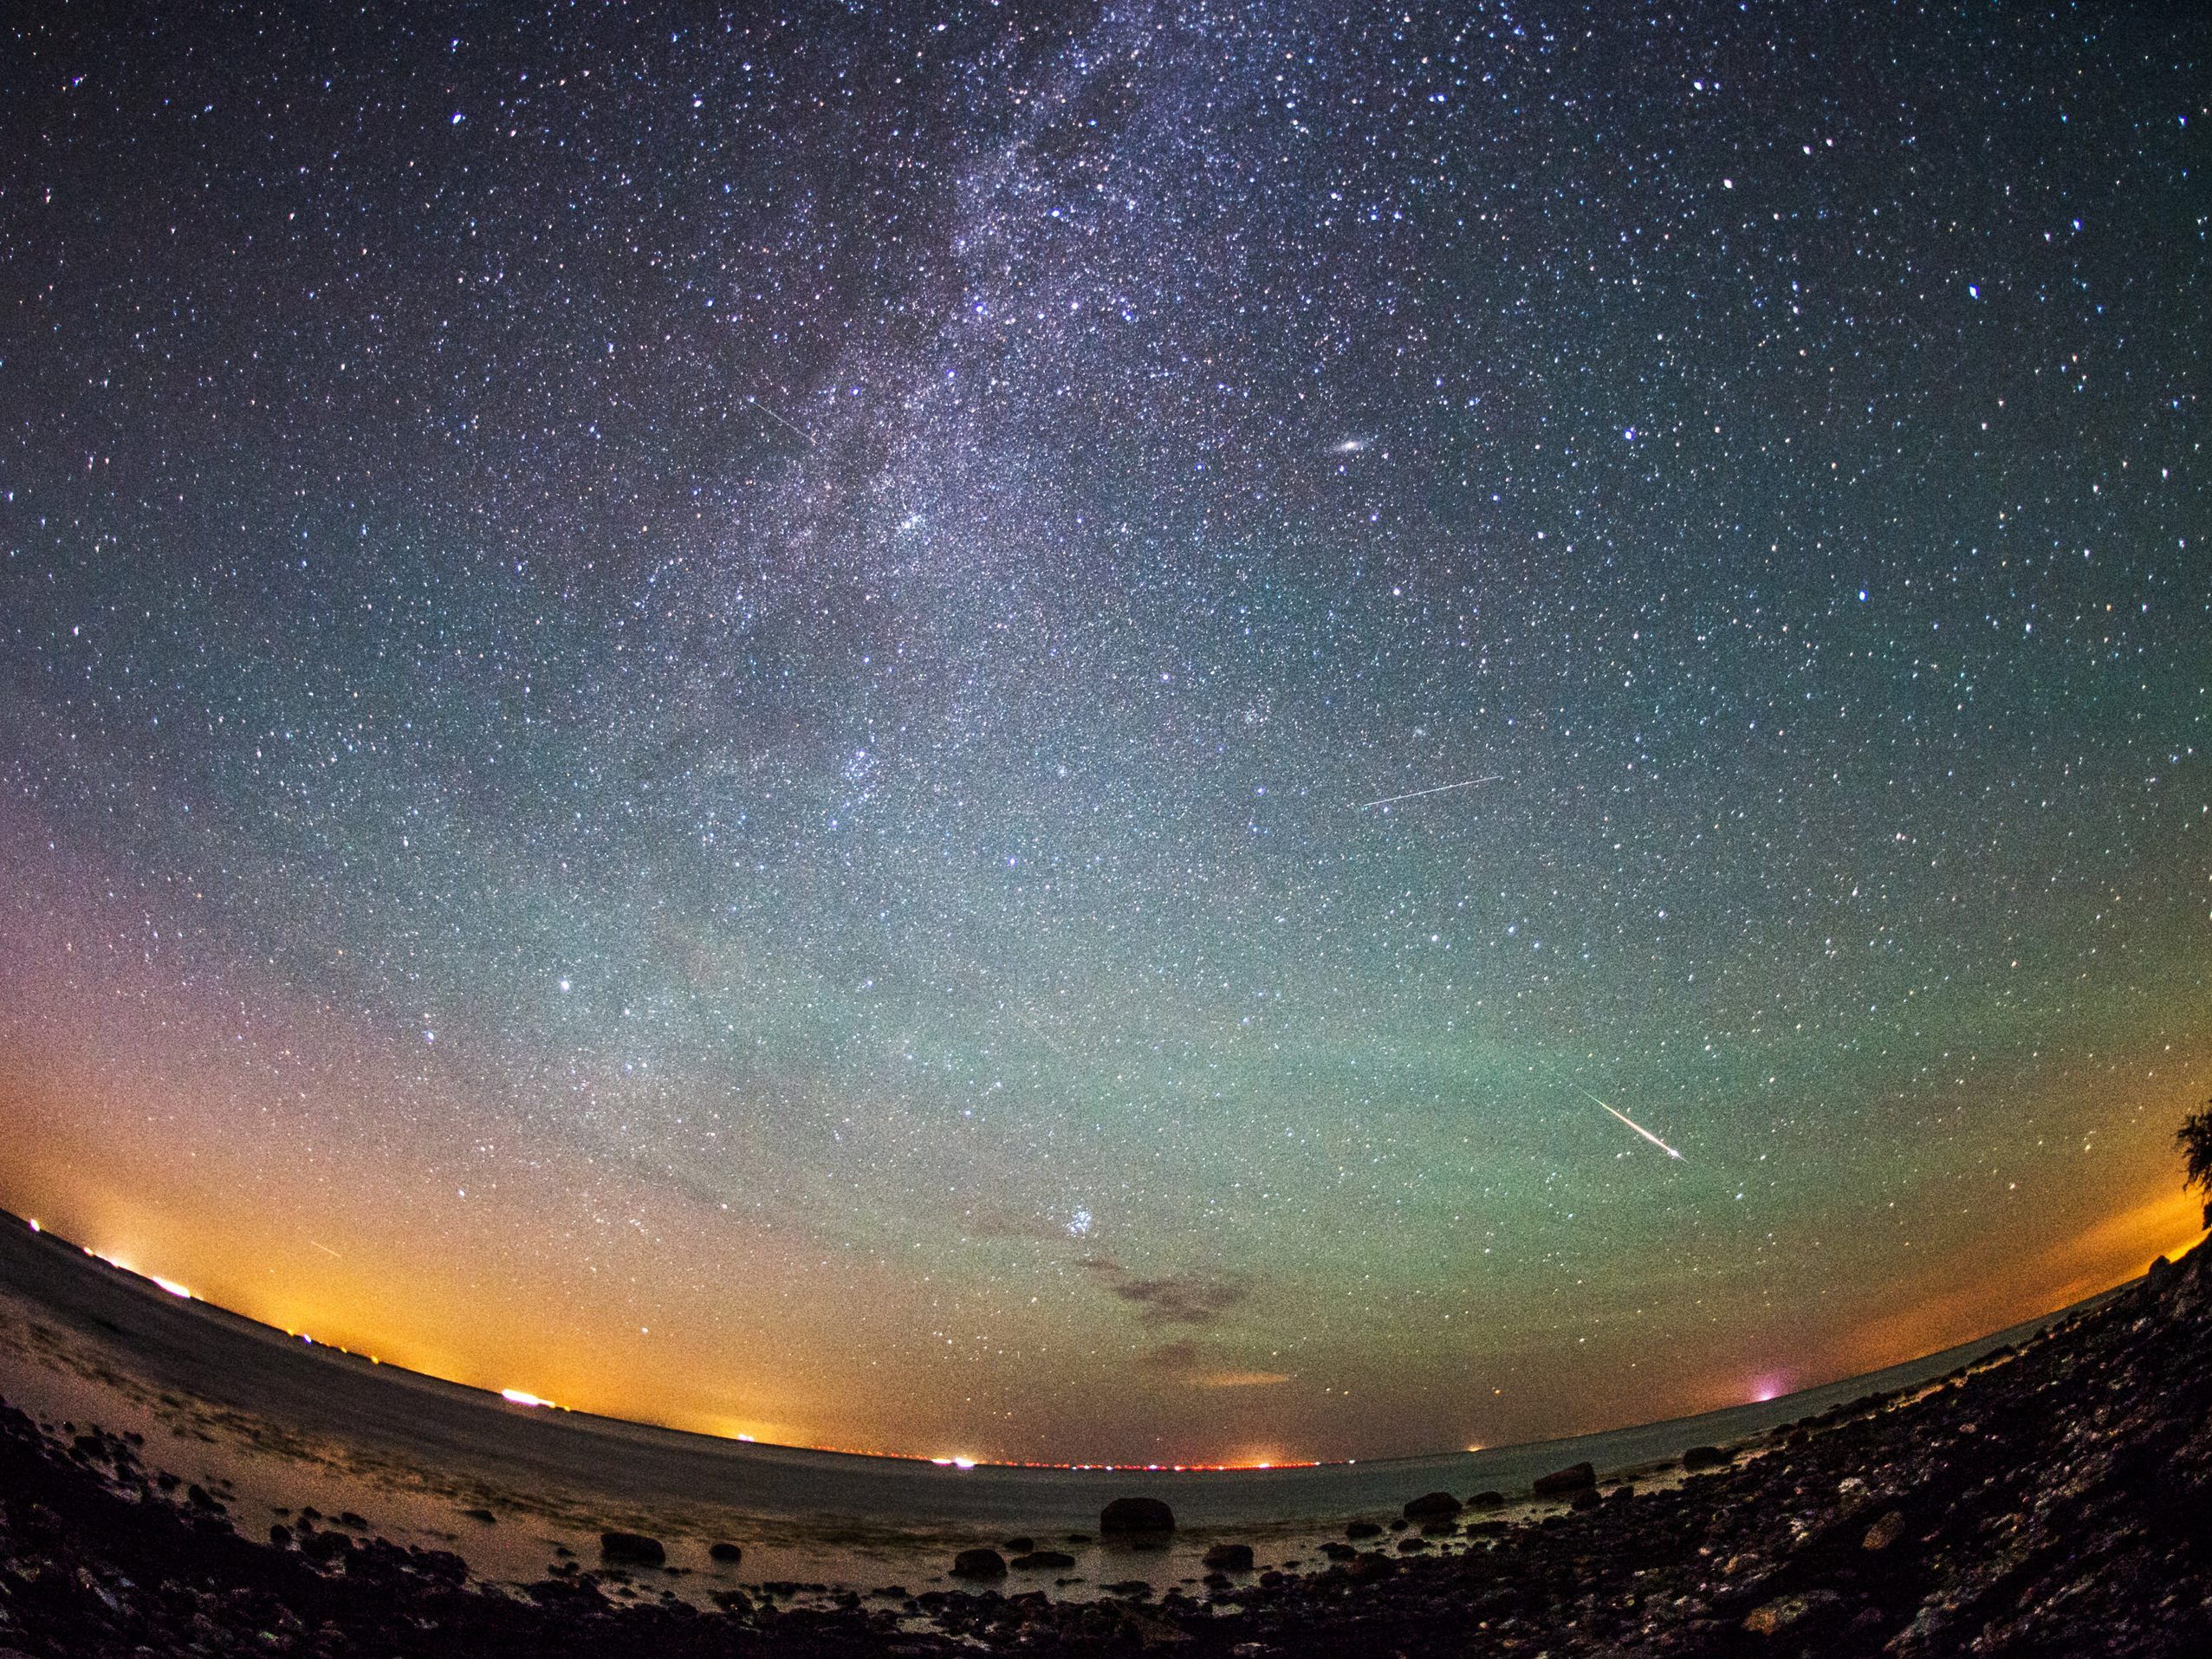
779, 421
1640, 1129
1416, 794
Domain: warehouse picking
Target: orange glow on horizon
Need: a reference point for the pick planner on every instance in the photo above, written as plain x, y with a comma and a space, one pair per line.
2107, 1253
414, 1310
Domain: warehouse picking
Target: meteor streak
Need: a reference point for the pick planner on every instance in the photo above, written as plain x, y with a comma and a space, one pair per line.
1416, 794
1639, 1129
796, 432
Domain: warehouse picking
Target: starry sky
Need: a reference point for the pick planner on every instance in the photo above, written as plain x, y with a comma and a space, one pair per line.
701, 713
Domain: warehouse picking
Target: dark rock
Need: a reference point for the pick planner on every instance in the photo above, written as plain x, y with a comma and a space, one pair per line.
1019, 1545
1705, 1457
483, 1515
1132, 1517
440, 1566
1433, 1505
1585, 1498
1561, 1483
726, 1552
632, 1550
1365, 1569
1884, 1532
1363, 1529
1042, 1561
1486, 1500
979, 1564
1230, 1557
572, 1596
1336, 1551
2160, 1276
1800, 1614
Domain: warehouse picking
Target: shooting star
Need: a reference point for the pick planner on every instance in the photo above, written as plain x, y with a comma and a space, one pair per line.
1640, 1129
1416, 794
779, 421
325, 1249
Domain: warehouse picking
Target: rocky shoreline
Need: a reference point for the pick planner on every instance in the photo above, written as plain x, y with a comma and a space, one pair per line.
2054, 1499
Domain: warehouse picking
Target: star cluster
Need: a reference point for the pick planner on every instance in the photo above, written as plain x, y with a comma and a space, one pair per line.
749, 722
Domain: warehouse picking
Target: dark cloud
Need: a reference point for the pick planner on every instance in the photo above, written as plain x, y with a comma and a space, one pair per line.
1187, 1298
1187, 1361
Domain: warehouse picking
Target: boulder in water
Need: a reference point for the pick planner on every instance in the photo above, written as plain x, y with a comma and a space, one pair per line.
979, 1564
1565, 1483
632, 1550
1128, 1517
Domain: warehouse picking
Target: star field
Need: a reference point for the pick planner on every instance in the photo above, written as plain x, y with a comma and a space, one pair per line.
748, 724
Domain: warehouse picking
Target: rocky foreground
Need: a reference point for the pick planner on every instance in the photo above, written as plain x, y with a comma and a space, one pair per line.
2055, 1499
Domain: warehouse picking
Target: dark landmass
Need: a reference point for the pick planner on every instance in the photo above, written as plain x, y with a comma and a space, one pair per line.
2056, 1499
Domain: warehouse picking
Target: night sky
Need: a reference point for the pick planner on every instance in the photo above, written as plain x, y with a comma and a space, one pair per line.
692, 716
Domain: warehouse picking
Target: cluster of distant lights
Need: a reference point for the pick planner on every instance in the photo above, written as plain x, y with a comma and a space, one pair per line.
1767, 1389
1121, 1469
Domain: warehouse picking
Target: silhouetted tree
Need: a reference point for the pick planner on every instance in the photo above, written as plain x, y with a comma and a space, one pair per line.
2194, 1139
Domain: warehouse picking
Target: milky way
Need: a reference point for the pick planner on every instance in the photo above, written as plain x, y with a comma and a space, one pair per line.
751, 724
